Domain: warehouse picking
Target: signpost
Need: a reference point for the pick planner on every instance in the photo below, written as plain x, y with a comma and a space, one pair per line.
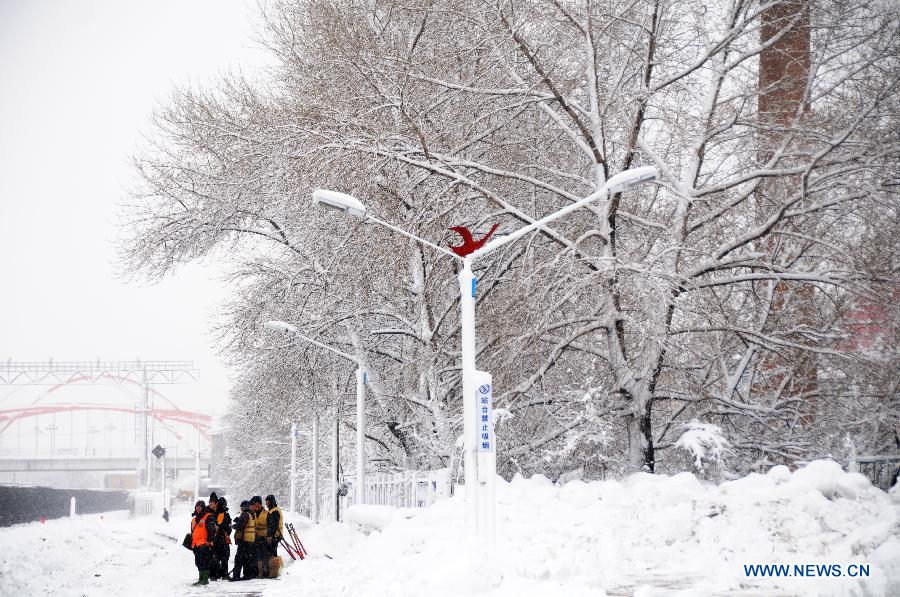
486, 456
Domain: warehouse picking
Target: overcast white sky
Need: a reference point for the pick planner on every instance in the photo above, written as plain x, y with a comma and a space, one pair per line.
78, 81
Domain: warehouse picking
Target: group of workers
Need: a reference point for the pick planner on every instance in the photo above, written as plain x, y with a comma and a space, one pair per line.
257, 533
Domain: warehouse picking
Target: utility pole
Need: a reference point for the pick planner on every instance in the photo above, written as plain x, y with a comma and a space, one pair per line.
145, 456
52, 429
335, 464
197, 464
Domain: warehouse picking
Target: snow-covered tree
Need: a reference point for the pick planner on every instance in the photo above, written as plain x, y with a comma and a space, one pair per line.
705, 444
711, 295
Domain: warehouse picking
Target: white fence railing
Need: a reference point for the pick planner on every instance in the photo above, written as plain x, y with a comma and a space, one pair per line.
407, 489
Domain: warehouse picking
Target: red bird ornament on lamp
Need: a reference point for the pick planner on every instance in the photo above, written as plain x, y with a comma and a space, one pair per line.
470, 245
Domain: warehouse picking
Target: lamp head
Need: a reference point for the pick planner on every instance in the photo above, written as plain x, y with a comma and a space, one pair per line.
340, 202
629, 178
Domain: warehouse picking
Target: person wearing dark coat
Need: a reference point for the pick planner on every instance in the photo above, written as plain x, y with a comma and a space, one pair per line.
221, 542
212, 506
203, 529
274, 525
244, 536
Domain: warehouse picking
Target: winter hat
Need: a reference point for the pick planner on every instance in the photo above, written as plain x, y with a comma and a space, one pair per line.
213, 497
271, 498
245, 504
256, 500
223, 504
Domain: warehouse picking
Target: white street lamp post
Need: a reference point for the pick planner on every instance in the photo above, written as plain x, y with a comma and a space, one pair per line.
480, 448
314, 509
293, 467
360, 486
360, 492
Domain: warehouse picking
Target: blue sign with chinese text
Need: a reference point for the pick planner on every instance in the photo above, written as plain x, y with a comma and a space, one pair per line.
484, 419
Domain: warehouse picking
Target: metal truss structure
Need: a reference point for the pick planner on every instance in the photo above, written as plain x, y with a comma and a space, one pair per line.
64, 372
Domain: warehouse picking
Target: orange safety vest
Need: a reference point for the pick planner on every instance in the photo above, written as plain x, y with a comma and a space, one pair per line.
198, 531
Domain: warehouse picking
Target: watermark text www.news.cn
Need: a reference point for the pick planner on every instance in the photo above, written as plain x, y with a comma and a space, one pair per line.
807, 570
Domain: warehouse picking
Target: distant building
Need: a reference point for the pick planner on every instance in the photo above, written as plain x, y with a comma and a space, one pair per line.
120, 481
869, 326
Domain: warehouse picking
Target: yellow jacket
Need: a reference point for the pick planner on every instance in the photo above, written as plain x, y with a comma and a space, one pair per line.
249, 533
280, 532
261, 524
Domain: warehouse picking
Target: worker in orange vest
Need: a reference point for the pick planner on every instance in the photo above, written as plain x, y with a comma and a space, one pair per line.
203, 529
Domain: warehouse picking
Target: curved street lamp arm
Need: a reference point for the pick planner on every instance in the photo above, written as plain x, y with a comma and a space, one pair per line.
616, 184
414, 237
282, 326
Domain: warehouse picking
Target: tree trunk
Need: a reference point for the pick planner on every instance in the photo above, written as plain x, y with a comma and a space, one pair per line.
640, 438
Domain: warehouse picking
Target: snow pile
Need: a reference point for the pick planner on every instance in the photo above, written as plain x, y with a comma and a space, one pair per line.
646, 535
370, 518
91, 554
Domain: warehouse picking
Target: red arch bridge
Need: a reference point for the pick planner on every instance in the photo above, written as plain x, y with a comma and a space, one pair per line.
135, 379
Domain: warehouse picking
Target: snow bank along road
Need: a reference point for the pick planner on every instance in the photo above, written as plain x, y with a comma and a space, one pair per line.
646, 535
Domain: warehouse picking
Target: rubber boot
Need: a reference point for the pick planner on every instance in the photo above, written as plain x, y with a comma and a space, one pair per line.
199, 578
204, 577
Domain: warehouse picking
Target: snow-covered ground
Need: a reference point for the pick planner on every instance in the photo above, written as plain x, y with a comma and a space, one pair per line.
99, 555
646, 535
